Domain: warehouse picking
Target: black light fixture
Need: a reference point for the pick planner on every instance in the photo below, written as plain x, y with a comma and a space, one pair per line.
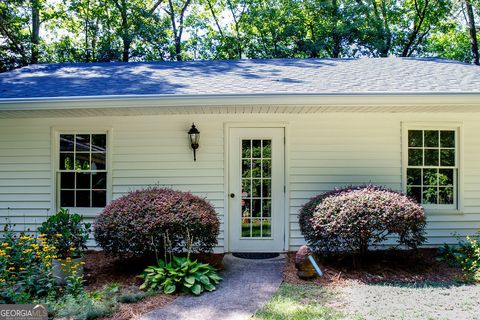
194, 136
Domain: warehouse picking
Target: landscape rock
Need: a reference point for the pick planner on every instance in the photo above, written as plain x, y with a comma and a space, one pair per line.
304, 267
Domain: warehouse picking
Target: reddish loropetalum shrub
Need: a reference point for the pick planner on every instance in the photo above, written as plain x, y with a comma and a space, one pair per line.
138, 222
354, 218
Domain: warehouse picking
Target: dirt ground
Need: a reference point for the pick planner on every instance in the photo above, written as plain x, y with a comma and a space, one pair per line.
390, 266
101, 269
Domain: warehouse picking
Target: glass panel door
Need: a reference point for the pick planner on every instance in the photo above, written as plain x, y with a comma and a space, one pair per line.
256, 209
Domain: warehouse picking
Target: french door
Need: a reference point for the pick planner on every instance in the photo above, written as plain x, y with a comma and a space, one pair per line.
256, 189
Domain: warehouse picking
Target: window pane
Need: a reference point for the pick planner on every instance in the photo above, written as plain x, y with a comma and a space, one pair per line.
246, 188
445, 177
256, 148
256, 167
267, 208
445, 196
99, 199
414, 176
447, 139
267, 188
99, 142
415, 193
245, 227
99, 180
266, 228
447, 157
245, 208
246, 149
98, 161
256, 228
66, 142
267, 168
431, 157
66, 199
82, 161
83, 180
246, 169
82, 142
267, 148
83, 199
415, 157
256, 208
66, 161
67, 180
430, 177
430, 195
415, 138
256, 187
431, 138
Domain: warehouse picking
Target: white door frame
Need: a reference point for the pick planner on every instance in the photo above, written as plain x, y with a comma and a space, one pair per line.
246, 124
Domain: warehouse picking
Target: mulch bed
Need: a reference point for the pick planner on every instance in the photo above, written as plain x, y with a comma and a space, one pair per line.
390, 266
101, 269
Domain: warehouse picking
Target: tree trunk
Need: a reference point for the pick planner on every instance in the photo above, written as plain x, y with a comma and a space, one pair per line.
335, 34
473, 32
178, 49
35, 31
407, 49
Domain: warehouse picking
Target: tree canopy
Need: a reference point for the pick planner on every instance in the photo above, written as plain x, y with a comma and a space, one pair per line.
39, 31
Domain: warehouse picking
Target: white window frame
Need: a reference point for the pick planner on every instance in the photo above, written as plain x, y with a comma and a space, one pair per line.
56, 132
457, 207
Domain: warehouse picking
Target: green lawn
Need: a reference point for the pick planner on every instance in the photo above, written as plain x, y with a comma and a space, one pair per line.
299, 302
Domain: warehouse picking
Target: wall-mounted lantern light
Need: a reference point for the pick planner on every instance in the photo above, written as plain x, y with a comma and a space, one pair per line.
194, 136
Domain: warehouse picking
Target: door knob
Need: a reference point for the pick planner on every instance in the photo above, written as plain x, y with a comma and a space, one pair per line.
232, 195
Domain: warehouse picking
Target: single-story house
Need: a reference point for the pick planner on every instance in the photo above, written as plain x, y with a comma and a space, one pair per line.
273, 133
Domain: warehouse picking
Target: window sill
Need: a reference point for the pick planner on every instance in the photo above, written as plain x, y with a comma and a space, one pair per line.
85, 211
443, 211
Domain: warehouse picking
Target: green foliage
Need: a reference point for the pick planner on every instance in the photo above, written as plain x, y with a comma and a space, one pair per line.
25, 267
96, 304
466, 256
113, 30
67, 232
180, 274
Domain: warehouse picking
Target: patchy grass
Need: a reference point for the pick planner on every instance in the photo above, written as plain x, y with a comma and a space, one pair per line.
299, 302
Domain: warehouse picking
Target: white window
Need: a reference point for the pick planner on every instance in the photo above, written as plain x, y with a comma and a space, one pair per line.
82, 170
431, 170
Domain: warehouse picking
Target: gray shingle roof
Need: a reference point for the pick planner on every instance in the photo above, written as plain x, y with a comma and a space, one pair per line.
385, 75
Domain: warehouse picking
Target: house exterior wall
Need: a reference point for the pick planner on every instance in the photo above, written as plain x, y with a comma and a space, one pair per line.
324, 151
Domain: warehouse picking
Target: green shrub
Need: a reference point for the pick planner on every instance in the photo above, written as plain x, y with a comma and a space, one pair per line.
25, 267
67, 232
466, 256
96, 304
180, 274
138, 223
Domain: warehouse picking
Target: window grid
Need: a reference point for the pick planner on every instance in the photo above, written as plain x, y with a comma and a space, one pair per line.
260, 198
444, 172
91, 171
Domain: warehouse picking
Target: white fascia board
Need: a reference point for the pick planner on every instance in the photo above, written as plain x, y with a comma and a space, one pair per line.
331, 99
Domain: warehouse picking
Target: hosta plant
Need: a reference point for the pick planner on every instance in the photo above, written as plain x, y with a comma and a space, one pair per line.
353, 219
180, 274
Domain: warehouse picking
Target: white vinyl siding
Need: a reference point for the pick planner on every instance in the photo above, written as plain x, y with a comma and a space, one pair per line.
324, 151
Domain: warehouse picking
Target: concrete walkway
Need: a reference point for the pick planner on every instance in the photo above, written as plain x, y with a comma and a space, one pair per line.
246, 286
